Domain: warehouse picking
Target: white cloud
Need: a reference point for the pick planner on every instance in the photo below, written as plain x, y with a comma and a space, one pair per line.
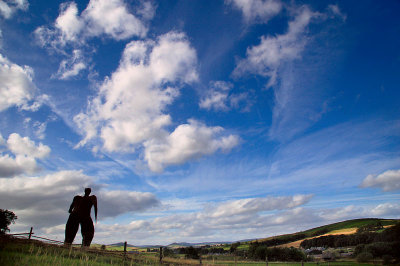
24, 146
71, 31
259, 10
25, 153
130, 104
254, 205
116, 202
336, 12
387, 181
43, 201
265, 59
130, 107
298, 99
16, 86
219, 98
101, 17
232, 218
111, 17
186, 142
69, 23
386, 209
8, 7
71, 67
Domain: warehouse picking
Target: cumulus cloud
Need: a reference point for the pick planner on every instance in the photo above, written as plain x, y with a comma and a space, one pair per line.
255, 205
69, 23
101, 17
384, 210
387, 181
257, 10
25, 153
237, 217
130, 107
9, 7
16, 86
265, 59
43, 201
116, 202
71, 31
187, 141
219, 98
112, 18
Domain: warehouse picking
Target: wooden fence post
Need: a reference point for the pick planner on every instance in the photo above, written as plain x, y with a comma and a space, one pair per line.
30, 233
161, 255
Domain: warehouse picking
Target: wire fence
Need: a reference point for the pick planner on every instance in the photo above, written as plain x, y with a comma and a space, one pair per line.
160, 259
31, 236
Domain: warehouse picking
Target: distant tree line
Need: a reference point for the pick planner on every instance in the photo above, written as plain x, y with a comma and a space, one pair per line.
259, 251
335, 241
320, 232
281, 240
370, 227
195, 253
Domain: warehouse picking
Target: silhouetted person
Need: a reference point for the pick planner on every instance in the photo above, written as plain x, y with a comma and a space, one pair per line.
80, 214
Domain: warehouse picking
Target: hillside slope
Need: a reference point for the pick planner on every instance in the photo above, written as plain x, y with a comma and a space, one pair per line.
344, 227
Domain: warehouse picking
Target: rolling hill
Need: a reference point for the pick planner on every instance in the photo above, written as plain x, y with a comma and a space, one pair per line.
344, 227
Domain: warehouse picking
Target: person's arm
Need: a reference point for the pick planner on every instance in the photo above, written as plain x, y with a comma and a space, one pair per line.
95, 207
72, 205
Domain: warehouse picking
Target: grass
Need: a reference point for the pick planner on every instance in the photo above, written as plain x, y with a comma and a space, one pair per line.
24, 252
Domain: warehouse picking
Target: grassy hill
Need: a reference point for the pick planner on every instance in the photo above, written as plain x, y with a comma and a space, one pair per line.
344, 227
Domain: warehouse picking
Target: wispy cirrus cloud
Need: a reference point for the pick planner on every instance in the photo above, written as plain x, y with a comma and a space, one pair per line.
297, 102
273, 51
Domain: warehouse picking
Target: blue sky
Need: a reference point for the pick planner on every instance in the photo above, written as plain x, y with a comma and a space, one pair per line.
199, 120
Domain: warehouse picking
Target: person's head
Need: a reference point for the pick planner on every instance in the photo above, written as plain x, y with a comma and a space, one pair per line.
87, 191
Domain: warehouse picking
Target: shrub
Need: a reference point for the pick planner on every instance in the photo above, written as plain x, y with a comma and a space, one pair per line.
387, 259
364, 257
6, 218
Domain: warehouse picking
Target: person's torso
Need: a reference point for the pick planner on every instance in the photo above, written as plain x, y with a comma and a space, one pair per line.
83, 206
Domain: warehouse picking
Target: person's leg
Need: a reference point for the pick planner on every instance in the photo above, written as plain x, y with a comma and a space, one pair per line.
71, 228
87, 231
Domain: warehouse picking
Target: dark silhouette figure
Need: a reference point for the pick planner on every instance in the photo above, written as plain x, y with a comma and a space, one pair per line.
80, 214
